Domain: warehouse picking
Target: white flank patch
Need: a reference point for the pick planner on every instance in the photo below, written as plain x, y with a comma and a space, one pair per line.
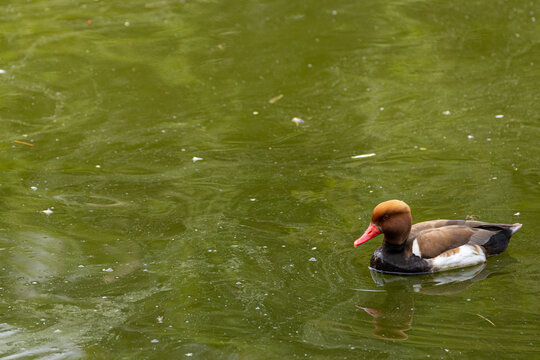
416, 248
467, 255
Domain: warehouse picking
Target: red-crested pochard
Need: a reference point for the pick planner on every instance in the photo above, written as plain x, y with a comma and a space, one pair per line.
431, 246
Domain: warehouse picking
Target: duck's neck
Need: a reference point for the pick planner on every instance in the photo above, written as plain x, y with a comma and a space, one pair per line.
395, 242
393, 247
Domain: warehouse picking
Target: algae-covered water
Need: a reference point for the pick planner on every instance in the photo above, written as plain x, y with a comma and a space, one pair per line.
159, 201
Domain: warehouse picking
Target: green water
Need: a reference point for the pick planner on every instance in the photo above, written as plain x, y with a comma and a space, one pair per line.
189, 217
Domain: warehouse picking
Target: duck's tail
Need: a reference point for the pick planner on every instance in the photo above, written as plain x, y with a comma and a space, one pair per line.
498, 241
515, 228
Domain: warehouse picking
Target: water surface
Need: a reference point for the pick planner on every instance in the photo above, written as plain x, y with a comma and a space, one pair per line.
158, 201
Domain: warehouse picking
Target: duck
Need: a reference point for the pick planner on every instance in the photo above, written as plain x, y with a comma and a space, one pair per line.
431, 246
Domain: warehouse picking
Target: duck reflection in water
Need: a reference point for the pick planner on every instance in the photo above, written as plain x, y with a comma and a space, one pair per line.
395, 316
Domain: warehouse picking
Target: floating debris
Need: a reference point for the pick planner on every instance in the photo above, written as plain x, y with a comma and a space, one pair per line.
485, 318
2, 71
422, 149
312, 259
33, 188
23, 142
160, 319
446, 112
297, 121
470, 137
362, 156
47, 212
107, 270
255, 113
517, 214
195, 159
221, 47
500, 116
275, 99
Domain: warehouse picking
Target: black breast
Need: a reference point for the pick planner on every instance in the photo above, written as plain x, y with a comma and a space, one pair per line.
398, 262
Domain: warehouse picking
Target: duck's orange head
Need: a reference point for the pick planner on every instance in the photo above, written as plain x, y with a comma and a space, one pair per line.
391, 218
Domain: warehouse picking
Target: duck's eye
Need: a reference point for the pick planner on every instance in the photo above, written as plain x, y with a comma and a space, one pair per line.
386, 217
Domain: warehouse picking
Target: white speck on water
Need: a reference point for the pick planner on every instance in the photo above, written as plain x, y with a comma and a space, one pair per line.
57, 331
314, 248
517, 214
363, 156
500, 116
47, 212
381, 108
182, 149
189, 354
80, 266
195, 159
98, 166
468, 299
470, 137
154, 341
488, 139
33, 188
255, 113
252, 199
312, 259
107, 270
127, 23
2, 71
494, 178
446, 112
297, 120
238, 283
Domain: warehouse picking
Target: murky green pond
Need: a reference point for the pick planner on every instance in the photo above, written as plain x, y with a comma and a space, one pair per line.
158, 201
